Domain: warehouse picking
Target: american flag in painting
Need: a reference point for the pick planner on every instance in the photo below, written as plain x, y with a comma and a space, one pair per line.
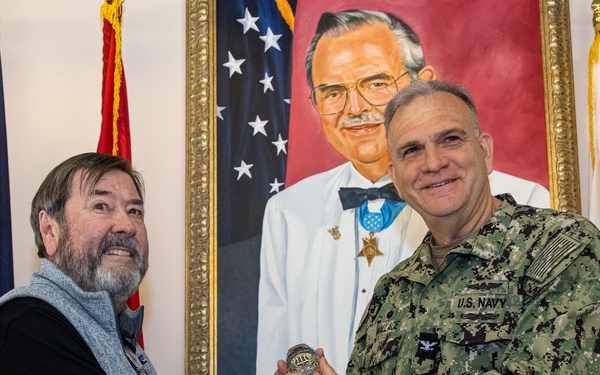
254, 65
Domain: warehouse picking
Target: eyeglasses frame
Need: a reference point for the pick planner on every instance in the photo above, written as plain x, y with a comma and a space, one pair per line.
348, 88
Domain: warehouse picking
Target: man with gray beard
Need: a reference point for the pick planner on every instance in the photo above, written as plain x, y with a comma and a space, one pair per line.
88, 222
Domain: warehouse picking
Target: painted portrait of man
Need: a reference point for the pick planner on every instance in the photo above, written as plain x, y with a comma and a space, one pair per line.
320, 257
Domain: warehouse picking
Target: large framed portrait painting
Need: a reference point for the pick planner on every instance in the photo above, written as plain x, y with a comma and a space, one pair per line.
253, 131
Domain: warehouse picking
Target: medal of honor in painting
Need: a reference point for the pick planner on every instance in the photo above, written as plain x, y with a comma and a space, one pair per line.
370, 249
376, 211
373, 222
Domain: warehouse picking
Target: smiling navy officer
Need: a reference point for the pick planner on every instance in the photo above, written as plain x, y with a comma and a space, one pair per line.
495, 287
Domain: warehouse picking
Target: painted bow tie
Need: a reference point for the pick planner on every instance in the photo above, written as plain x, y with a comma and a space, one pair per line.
355, 197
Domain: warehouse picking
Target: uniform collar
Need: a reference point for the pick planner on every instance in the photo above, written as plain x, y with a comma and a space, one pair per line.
485, 243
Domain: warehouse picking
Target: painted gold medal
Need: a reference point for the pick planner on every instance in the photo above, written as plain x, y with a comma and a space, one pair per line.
370, 249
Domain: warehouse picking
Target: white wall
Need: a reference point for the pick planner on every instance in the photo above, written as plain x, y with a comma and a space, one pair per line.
51, 60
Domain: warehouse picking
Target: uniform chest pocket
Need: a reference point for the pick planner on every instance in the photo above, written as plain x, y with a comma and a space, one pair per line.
478, 317
382, 343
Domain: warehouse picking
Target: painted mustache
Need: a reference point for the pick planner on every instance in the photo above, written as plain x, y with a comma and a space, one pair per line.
365, 118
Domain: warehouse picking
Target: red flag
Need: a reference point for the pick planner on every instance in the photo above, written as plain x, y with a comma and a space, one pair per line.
114, 132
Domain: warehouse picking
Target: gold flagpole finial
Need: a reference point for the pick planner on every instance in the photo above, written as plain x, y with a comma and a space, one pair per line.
596, 10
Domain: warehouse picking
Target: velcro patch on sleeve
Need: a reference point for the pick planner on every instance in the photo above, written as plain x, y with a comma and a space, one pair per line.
554, 253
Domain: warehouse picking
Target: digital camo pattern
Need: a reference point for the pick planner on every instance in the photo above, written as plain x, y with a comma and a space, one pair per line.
520, 296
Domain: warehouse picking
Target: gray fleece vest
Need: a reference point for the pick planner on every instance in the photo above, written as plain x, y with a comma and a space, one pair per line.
91, 313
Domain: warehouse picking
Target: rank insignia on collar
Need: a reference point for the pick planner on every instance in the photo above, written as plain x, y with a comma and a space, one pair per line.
429, 346
370, 249
335, 232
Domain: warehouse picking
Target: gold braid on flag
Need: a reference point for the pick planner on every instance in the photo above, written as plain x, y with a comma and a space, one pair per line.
594, 120
286, 12
111, 11
592, 60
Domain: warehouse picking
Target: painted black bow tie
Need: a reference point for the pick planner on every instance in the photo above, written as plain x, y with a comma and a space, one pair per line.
354, 197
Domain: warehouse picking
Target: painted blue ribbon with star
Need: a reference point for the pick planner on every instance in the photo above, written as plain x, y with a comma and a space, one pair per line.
373, 221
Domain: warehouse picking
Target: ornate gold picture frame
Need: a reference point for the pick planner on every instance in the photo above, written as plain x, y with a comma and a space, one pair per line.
201, 188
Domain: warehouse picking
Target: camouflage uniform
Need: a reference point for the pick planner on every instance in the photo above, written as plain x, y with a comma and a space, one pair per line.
521, 295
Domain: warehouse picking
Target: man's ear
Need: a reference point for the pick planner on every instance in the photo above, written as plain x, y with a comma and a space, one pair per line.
392, 174
50, 231
487, 144
427, 73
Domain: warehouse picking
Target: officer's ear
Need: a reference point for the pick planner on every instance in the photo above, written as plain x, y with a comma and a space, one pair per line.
487, 145
427, 73
50, 231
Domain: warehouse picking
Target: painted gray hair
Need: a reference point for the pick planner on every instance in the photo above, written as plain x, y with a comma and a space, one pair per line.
337, 24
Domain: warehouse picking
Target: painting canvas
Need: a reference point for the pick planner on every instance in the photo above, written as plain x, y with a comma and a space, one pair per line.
492, 48
257, 115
